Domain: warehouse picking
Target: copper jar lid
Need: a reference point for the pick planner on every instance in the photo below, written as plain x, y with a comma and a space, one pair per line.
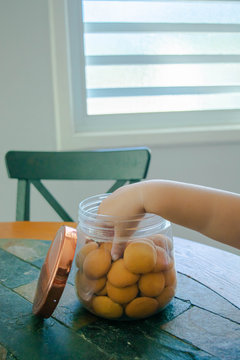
55, 271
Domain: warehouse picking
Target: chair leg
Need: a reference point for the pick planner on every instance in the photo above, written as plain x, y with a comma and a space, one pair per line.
23, 200
51, 200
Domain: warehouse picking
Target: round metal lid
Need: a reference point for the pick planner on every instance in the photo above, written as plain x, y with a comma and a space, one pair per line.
55, 271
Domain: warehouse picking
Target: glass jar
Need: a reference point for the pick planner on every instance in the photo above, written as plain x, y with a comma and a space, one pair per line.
131, 276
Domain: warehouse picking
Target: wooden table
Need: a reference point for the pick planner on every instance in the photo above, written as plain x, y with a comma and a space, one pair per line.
201, 322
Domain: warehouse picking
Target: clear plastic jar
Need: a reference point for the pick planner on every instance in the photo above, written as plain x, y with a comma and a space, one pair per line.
131, 277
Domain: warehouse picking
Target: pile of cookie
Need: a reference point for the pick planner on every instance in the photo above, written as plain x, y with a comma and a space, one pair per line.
140, 281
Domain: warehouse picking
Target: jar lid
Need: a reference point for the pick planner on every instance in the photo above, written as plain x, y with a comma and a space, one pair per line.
55, 271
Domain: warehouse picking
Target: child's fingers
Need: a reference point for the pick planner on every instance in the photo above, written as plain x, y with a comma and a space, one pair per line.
118, 249
123, 231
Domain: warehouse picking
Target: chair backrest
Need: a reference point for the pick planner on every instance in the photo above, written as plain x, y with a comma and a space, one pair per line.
121, 165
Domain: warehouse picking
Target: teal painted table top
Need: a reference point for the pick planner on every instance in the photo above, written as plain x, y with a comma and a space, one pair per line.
201, 322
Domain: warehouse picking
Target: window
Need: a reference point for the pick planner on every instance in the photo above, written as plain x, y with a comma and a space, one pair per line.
153, 66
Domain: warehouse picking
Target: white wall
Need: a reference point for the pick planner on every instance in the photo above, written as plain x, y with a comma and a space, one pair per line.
27, 121
26, 109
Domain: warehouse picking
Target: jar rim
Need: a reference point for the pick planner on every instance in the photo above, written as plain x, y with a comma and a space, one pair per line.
89, 218
86, 209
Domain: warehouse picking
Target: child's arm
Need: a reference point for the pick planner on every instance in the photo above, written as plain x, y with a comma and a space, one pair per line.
212, 212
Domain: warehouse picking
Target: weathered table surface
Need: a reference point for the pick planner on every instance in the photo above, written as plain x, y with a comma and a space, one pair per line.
201, 322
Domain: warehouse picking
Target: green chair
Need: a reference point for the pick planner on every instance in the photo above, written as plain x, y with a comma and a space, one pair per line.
121, 165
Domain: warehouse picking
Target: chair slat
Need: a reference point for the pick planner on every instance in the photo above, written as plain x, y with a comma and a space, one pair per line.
116, 185
84, 165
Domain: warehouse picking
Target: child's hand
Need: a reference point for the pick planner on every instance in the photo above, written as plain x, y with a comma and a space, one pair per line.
123, 203
125, 206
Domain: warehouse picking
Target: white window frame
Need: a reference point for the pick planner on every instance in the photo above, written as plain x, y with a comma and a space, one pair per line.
68, 139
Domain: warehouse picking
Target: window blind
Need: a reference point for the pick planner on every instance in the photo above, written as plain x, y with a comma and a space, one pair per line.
144, 61
157, 56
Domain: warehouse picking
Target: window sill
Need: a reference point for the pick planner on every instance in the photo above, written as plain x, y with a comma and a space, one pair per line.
164, 137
